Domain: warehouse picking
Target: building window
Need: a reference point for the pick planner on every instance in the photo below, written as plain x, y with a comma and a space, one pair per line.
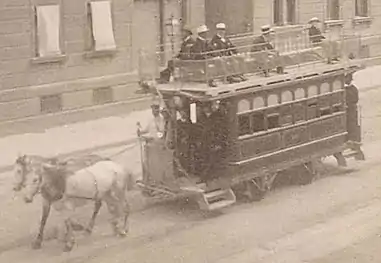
284, 12
291, 12
278, 12
48, 30
361, 9
101, 26
333, 9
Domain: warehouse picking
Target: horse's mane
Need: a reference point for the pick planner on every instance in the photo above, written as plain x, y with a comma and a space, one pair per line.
54, 182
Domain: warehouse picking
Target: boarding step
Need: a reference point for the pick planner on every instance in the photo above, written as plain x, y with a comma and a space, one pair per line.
216, 199
357, 154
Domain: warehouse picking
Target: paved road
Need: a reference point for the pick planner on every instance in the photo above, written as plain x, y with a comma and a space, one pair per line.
335, 219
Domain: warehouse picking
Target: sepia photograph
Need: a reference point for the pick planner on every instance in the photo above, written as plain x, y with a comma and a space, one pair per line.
190, 131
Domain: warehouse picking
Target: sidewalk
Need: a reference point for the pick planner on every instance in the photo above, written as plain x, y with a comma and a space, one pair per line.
112, 130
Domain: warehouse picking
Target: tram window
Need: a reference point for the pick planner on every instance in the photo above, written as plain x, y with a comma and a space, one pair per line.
244, 124
337, 85
325, 111
258, 103
312, 91
286, 96
300, 94
258, 120
273, 120
337, 108
325, 88
299, 112
243, 105
311, 110
272, 100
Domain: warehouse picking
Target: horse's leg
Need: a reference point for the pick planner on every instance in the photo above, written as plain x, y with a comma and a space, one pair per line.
69, 236
97, 207
114, 207
45, 214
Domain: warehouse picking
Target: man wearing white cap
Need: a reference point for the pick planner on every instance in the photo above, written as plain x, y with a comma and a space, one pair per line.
222, 46
201, 48
262, 43
221, 43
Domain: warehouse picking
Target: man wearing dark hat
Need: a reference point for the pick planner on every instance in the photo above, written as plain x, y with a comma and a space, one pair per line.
262, 43
184, 54
314, 32
354, 132
186, 46
317, 39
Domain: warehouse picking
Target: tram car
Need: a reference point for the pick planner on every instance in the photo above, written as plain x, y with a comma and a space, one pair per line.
234, 139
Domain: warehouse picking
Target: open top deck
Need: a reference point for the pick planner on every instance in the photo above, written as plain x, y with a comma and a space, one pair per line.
256, 82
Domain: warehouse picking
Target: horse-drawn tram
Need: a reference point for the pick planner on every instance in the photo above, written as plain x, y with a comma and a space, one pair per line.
233, 139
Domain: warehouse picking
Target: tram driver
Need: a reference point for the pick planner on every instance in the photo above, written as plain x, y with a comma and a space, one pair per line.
155, 129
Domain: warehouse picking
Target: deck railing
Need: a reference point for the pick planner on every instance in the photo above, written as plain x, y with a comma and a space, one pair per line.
245, 61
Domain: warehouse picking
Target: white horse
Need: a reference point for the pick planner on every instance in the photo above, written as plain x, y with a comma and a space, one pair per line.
65, 191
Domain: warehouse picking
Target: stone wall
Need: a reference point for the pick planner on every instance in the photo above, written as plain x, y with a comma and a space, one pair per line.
79, 77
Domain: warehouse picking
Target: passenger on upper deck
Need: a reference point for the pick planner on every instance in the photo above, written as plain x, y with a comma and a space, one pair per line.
222, 46
201, 48
184, 54
330, 48
263, 43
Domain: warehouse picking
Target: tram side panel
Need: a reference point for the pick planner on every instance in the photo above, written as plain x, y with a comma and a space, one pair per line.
276, 136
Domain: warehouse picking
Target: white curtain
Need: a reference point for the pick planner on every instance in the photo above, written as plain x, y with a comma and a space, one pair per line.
102, 25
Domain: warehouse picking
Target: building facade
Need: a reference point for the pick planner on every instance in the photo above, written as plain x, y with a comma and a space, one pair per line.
64, 55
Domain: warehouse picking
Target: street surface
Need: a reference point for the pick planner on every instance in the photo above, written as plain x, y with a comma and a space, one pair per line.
335, 219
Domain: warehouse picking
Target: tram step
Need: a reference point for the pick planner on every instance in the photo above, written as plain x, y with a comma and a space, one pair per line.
214, 194
220, 205
217, 199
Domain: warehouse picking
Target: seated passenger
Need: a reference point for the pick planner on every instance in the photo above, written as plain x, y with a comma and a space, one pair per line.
263, 43
201, 48
156, 127
330, 48
213, 145
184, 54
222, 46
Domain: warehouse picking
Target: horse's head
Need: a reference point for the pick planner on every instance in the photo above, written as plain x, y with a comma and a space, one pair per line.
21, 170
32, 181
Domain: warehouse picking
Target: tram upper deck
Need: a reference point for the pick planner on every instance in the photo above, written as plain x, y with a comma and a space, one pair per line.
255, 81
303, 61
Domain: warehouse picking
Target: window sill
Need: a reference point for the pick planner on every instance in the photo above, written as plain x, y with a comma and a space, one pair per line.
334, 23
48, 59
101, 53
361, 20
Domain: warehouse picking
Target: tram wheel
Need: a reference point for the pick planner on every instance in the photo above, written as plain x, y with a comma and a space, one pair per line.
253, 190
306, 173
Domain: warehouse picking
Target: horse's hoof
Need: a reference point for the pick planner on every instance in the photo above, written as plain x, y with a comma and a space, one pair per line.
36, 244
68, 247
